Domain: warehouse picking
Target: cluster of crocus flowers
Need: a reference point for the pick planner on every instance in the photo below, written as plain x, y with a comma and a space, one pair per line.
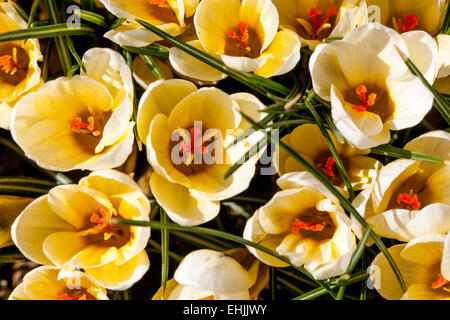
213, 275
424, 263
369, 86
305, 223
186, 131
410, 198
308, 141
81, 122
244, 36
315, 20
19, 70
171, 16
405, 16
68, 228
53, 283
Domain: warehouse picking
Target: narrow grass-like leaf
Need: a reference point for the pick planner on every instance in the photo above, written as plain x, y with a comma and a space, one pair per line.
73, 70
20, 11
117, 23
156, 53
345, 203
46, 63
239, 209
153, 66
22, 191
54, 30
74, 53
164, 252
394, 152
439, 102
157, 247
91, 17
27, 181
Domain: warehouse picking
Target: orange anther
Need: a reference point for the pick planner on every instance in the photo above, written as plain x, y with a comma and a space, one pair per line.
65, 296
328, 167
7, 64
298, 225
195, 135
314, 15
411, 22
440, 282
79, 126
158, 2
361, 91
409, 199
243, 37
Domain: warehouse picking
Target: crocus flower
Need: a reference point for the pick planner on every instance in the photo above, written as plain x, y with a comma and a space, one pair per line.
10, 208
244, 36
186, 131
19, 70
424, 263
308, 141
52, 283
305, 223
315, 20
66, 228
168, 15
410, 198
404, 16
82, 122
213, 275
369, 86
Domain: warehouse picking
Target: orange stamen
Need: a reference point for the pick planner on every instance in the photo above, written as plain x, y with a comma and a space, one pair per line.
409, 199
101, 225
440, 282
65, 296
328, 167
7, 64
79, 126
195, 135
158, 2
314, 15
411, 22
243, 37
298, 225
361, 91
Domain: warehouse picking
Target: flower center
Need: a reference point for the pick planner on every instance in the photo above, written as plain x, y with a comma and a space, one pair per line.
242, 37
194, 144
441, 282
409, 199
78, 126
298, 225
66, 296
408, 23
159, 3
361, 91
328, 166
13, 64
319, 21
101, 227
8, 65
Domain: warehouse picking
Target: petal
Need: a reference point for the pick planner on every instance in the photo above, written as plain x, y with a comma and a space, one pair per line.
433, 219
362, 171
443, 41
284, 52
161, 97
350, 16
10, 208
121, 277
245, 64
251, 106
393, 224
191, 67
61, 247
420, 291
213, 271
364, 207
424, 250
180, 205
33, 225
445, 263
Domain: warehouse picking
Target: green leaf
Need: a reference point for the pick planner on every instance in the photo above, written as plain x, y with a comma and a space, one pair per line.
153, 66
91, 17
394, 152
54, 30
164, 252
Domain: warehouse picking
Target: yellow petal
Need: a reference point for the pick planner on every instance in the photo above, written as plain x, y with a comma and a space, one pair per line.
10, 208
142, 75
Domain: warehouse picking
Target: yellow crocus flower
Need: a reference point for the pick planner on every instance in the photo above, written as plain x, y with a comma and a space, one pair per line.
66, 228
19, 70
82, 122
10, 207
304, 223
424, 263
52, 283
186, 131
212, 275
308, 141
244, 35
315, 20
369, 86
168, 15
410, 198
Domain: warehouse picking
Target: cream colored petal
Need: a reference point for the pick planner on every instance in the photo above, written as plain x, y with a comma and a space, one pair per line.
445, 263
161, 97
284, 52
437, 187
93, 256
42, 284
412, 101
424, 250
254, 232
5, 114
61, 247
190, 67
251, 106
423, 51
213, 271
351, 15
180, 205
33, 225
121, 277
443, 41
393, 224
434, 218
419, 291
362, 171
363, 204
246, 64
181, 292
212, 21
19, 293
262, 15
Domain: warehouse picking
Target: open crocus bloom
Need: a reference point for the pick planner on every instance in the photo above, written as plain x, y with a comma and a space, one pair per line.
52, 283
315, 20
10, 208
305, 223
66, 228
81, 122
369, 86
19, 70
408, 15
186, 132
244, 35
168, 15
213, 275
424, 263
308, 141
410, 198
